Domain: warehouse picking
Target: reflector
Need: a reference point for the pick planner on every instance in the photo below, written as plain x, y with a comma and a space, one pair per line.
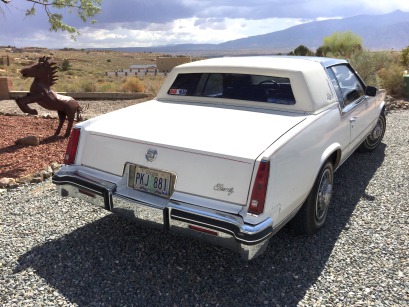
208, 231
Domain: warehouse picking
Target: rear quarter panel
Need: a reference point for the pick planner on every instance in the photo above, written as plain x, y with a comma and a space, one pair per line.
297, 158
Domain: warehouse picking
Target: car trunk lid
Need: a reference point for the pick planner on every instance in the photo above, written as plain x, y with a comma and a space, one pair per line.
211, 149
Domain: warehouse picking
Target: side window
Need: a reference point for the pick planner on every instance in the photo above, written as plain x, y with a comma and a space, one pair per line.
335, 83
185, 85
348, 86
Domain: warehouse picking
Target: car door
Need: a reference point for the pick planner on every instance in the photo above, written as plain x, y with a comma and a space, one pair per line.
355, 105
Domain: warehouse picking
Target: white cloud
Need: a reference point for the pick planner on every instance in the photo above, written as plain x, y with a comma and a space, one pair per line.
159, 22
182, 31
100, 35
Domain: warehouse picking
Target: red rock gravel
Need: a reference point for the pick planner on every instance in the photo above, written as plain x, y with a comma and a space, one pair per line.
17, 160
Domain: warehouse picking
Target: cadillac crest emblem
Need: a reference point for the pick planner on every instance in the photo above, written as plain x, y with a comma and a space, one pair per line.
151, 154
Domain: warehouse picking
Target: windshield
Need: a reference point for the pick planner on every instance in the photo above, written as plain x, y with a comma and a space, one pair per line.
267, 89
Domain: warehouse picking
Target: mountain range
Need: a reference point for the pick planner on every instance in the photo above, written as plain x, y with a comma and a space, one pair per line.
379, 32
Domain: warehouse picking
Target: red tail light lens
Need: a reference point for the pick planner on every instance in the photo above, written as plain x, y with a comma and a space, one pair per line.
258, 195
72, 146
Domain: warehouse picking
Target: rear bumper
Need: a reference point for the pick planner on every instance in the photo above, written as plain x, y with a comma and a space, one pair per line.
216, 227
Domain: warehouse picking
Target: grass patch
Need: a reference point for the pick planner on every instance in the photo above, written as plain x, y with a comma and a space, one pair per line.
85, 71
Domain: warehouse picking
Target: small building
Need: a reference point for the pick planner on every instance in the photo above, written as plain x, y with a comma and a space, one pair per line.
166, 64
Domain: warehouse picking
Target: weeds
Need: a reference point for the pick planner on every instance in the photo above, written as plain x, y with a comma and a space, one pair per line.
132, 84
87, 71
381, 69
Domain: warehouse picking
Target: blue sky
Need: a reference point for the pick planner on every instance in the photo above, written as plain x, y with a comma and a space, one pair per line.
144, 23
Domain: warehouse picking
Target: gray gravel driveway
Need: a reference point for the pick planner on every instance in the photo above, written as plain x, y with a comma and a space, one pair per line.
56, 251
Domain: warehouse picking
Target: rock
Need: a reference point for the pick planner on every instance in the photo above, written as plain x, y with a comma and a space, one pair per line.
55, 166
47, 173
47, 116
38, 176
13, 185
25, 179
36, 180
30, 140
6, 182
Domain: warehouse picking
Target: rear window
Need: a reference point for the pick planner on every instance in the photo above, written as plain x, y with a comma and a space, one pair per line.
267, 89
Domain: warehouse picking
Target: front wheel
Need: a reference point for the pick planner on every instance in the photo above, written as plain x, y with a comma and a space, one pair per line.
375, 137
313, 213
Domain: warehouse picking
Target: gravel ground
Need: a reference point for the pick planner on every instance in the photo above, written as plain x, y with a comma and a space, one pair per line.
56, 251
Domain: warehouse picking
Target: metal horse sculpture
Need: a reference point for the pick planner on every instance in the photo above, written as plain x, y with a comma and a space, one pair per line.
44, 74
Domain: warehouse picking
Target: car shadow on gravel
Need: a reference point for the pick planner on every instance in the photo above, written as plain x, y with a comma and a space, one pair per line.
115, 262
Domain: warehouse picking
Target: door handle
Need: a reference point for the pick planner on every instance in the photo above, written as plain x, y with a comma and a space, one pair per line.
353, 119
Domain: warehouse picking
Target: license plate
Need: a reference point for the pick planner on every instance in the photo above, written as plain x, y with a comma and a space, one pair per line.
151, 181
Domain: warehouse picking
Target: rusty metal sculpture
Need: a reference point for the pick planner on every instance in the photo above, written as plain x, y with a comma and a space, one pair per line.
44, 74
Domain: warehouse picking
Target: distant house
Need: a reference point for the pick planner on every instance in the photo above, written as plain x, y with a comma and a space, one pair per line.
166, 64
163, 66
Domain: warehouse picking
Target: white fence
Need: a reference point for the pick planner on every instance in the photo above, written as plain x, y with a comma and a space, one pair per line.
140, 74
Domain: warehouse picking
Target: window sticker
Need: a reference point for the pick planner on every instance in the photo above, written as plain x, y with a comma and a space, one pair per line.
177, 91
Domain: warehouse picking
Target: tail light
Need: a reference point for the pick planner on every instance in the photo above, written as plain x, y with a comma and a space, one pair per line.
72, 146
258, 195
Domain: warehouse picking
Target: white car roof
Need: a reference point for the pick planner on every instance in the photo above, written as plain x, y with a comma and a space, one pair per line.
309, 81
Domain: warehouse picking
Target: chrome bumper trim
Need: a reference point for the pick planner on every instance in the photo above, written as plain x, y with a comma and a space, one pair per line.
220, 228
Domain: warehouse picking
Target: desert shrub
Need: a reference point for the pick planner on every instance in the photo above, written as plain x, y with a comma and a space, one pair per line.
153, 84
380, 69
107, 87
405, 56
132, 84
391, 79
66, 65
67, 85
89, 86
368, 64
21, 84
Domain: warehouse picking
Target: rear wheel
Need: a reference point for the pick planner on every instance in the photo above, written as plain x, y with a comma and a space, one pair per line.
375, 137
313, 213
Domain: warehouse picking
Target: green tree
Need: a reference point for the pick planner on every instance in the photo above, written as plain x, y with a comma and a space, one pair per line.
343, 44
83, 8
322, 51
65, 65
302, 50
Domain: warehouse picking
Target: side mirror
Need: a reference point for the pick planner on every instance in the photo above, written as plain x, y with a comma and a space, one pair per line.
371, 91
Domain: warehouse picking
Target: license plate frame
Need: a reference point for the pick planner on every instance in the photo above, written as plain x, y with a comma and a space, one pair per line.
152, 181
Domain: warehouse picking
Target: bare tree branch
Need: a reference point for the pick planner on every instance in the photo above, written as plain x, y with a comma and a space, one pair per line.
84, 9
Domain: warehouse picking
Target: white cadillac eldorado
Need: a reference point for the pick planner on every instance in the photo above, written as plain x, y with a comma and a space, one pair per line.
230, 150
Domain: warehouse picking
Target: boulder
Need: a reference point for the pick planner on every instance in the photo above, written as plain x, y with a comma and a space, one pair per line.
6, 182
30, 140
